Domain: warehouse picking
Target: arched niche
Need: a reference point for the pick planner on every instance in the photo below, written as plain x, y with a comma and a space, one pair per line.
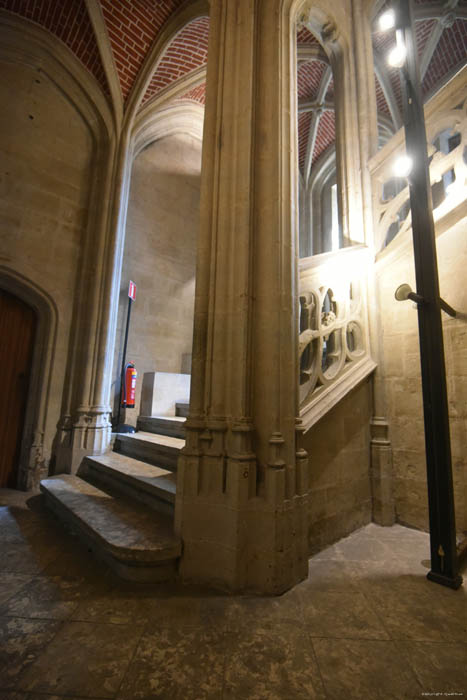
330, 210
32, 458
63, 266
159, 249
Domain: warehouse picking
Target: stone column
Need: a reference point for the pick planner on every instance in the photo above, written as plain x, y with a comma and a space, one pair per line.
85, 426
242, 486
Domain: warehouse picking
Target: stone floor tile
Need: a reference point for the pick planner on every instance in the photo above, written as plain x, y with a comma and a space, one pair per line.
330, 553
21, 642
117, 606
27, 558
366, 572
412, 607
41, 696
246, 612
344, 614
363, 548
325, 575
11, 583
364, 670
188, 611
185, 663
440, 668
272, 662
51, 597
78, 561
84, 660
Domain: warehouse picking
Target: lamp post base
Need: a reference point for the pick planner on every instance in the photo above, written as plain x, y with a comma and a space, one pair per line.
443, 580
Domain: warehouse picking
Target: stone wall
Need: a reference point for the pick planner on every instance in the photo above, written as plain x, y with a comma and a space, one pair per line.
400, 370
46, 162
160, 257
339, 454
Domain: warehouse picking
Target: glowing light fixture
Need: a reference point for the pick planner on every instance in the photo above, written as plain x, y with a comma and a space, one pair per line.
402, 166
387, 20
397, 56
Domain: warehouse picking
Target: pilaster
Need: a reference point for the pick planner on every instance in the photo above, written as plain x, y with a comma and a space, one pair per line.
381, 473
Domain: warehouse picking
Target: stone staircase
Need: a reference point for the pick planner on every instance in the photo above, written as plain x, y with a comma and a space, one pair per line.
122, 503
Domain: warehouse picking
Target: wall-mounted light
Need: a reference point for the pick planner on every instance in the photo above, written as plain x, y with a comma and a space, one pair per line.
387, 20
402, 166
397, 56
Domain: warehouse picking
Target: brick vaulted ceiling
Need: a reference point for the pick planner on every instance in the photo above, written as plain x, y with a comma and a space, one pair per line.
316, 130
132, 27
69, 21
441, 35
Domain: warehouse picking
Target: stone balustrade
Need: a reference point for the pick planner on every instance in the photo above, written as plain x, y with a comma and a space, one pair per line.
333, 340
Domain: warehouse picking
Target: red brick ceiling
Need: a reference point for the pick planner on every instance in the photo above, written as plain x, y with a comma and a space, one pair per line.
326, 134
187, 51
449, 55
197, 94
69, 21
304, 122
132, 26
304, 36
310, 75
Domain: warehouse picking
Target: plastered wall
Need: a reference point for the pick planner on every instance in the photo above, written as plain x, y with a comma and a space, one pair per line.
400, 369
160, 257
45, 166
338, 448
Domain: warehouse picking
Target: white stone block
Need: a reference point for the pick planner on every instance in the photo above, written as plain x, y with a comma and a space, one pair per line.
161, 391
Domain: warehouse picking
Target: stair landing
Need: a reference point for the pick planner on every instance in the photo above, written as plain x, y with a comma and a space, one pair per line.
136, 542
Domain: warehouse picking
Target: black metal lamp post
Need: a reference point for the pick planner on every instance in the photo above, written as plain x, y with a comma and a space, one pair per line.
444, 559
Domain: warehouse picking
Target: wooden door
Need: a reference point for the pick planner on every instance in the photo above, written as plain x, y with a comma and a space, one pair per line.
17, 331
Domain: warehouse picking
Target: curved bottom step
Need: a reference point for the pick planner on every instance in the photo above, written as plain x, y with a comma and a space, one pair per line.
136, 542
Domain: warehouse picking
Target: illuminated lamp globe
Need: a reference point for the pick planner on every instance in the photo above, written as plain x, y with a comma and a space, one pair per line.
397, 56
402, 166
387, 20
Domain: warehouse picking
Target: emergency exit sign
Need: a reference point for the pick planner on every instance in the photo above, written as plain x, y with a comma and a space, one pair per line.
132, 290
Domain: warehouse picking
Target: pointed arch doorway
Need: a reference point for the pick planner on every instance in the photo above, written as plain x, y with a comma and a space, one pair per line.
17, 333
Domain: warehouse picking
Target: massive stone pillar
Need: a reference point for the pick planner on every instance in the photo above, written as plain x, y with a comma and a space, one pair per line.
242, 486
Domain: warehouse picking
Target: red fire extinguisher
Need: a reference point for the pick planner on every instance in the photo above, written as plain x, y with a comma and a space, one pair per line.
129, 386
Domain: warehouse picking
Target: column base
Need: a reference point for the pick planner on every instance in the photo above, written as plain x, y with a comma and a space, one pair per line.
89, 435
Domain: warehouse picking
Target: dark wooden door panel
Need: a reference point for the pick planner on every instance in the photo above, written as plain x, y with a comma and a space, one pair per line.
17, 331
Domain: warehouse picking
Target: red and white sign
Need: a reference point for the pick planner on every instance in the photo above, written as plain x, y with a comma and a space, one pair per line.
132, 290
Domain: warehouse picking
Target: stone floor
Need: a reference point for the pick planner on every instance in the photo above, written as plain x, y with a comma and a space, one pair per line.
365, 625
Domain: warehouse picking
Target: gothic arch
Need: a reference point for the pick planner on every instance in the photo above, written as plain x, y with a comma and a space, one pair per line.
187, 14
32, 456
25, 44
182, 117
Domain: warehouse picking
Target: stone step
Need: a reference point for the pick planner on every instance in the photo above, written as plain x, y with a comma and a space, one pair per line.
151, 485
160, 450
182, 409
136, 542
173, 426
